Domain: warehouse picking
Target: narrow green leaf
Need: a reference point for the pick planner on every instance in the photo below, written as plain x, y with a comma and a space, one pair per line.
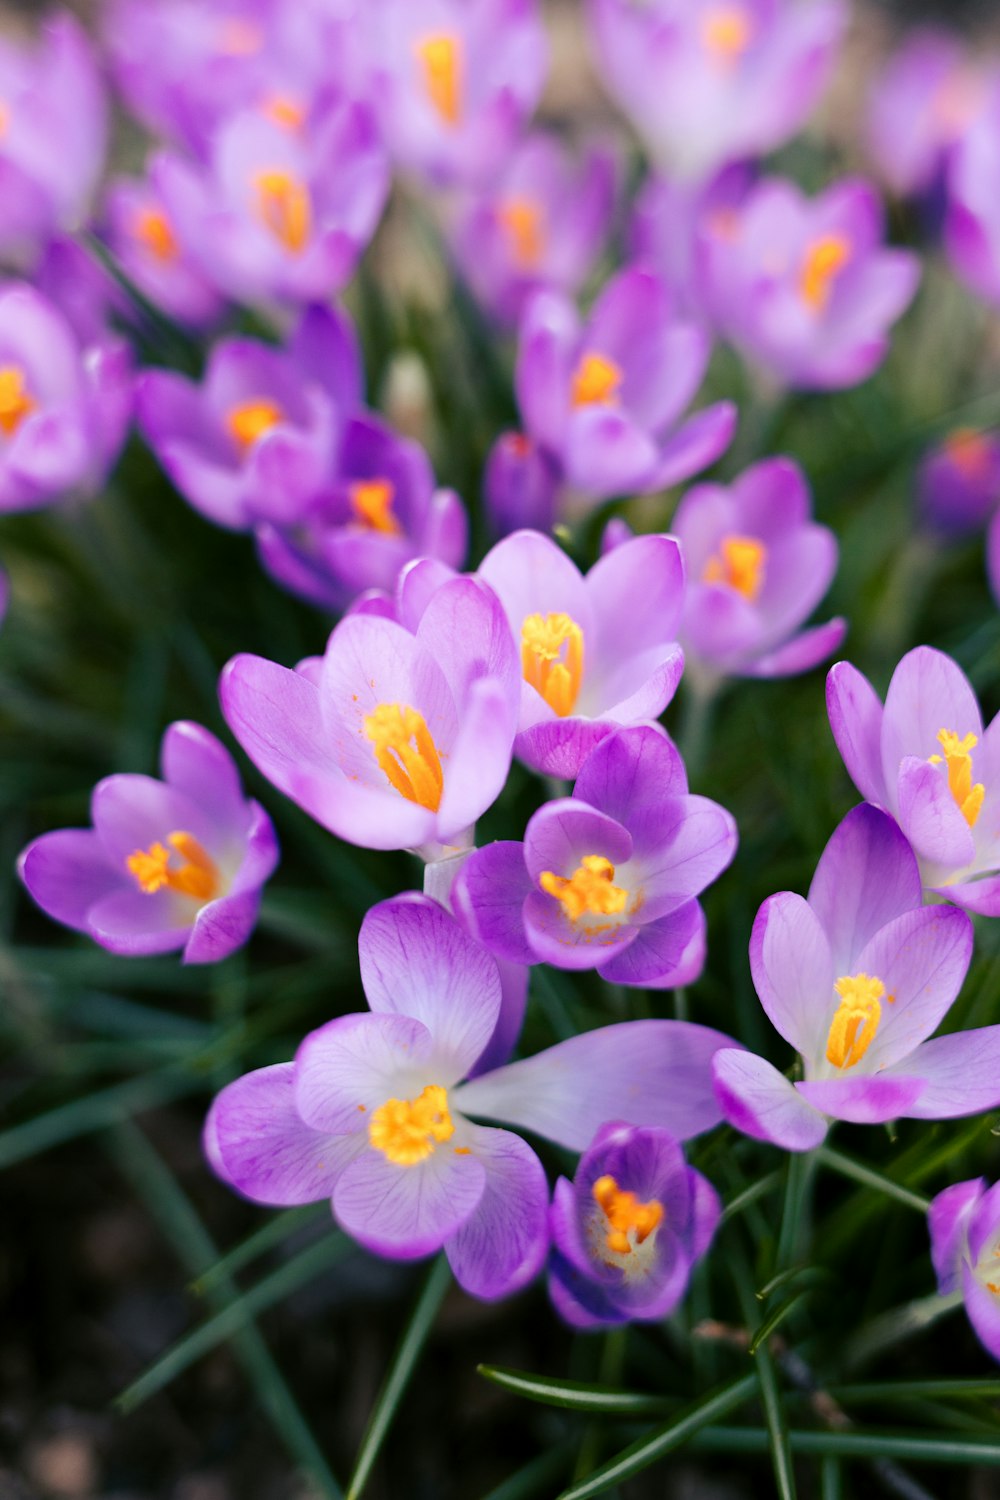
831, 1479
271, 1233
94, 1111
869, 1445
750, 1195
858, 1172
775, 1319
919, 1390
575, 1395
777, 1428
535, 1478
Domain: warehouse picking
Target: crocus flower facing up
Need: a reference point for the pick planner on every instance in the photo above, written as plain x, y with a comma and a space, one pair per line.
958, 482
806, 289
374, 1115
855, 979
757, 565
964, 1224
628, 1229
394, 740
177, 863
606, 879
926, 759
972, 222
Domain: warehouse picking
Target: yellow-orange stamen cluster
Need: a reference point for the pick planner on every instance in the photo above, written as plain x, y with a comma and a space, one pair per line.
406, 753
522, 218
283, 111
596, 380
197, 876
739, 564
629, 1221
16, 401
408, 1130
154, 230
250, 421
284, 207
543, 665
371, 501
824, 259
856, 1020
588, 891
958, 758
726, 32
970, 453
440, 57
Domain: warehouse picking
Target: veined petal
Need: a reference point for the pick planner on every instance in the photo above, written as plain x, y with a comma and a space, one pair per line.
928, 692
630, 770
855, 711
866, 876
922, 958
959, 1073
793, 971
489, 892
562, 833
406, 1212
503, 1244
664, 954
948, 1225
866, 1100
758, 1100
353, 1064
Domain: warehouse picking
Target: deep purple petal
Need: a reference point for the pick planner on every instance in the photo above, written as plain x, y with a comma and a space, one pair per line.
502, 1245
664, 954
630, 770
489, 893
66, 872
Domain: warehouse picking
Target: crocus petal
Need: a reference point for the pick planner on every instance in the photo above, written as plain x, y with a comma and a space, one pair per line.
866, 876
930, 817
556, 939
697, 443
194, 761
793, 971
647, 568
758, 1100
513, 1004
681, 846
406, 1212
631, 769
855, 711
221, 927
352, 1065
981, 896
66, 872
502, 1245
928, 692
866, 1100
559, 747
948, 1223
664, 954
983, 1308
562, 833
480, 758
960, 1074
922, 959
489, 892
800, 654
983, 1223
135, 923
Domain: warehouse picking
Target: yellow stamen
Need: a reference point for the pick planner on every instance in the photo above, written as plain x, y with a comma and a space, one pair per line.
371, 501
441, 59
16, 401
588, 889
740, 565
824, 259
595, 381
197, 876
958, 758
154, 230
281, 110
970, 453
407, 1130
727, 32
557, 678
856, 1020
523, 220
406, 753
284, 206
250, 421
629, 1221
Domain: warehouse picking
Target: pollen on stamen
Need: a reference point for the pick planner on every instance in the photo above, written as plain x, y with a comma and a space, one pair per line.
522, 220
153, 230
407, 1131
727, 32
856, 1020
196, 875
824, 260
958, 759
16, 401
406, 753
440, 58
555, 675
739, 564
371, 501
249, 421
596, 380
629, 1222
284, 207
588, 891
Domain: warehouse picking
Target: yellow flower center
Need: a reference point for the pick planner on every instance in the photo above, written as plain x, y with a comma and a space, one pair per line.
406, 753
588, 890
824, 259
596, 380
407, 1130
523, 221
153, 229
958, 758
283, 111
16, 401
543, 665
970, 453
629, 1221
195, 876
440, 58
284, 207
739, 564
371, 501
727, 32
250, 421
856, 1020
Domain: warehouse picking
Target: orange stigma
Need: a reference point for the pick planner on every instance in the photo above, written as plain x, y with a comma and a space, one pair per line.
958, 758
522, 220
727, 33
543, 665
281, 110
284, 207
588, 891
16, 402
197, 875
371, 501
596, 380
408, 1130
440, 57
855, 1023
154, 230
825, 258
629, 1221
250, 421
739, 564
406, 753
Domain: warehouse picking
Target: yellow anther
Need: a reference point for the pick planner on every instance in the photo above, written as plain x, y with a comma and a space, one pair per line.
856, 1021
543, 665
970, 453
958, 758
406, 753
154, 230
440, 57
371, 501
726, 32
824, 259
196, 876
739, 564
596, 380
629, 1221
407, 1130
523, 220
588, 890
16, 402
250, 421
280, 110
284, 207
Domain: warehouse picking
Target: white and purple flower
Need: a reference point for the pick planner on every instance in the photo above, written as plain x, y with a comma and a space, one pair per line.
964, 1225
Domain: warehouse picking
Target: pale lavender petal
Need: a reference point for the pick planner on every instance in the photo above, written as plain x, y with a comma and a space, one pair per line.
196, 763
697, 443
930, 817
948, 1225
502, 1245
866, 1100
479, 759
866, 876
960, 1074
922, 959
647, 569
758, 1100
981, 896
406, 1212
983, 1308
135, 923
855, 711
800, 654
793, 971
984, 1223
353, 1064
559, 747
928, 692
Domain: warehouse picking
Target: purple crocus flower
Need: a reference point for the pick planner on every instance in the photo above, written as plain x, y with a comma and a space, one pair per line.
972, 223
757, 565
255, 440
53, 128
520, 485
805, 288
541, 224
958, 482
597, 651
707, 82
855, 979
177, 863
628, 1229
964, 1224
394, 740
606, 879
373, 1112
669, 219
604, 397
927, 761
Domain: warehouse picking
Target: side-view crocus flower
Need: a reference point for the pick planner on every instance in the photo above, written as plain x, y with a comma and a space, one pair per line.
606, 879
926, 759
373, 1112
604, 397
757, 565
519, 485
806, 288
177, 863
707, 82
972, 223
596, 651
628, 1229
964, 1225
393, 740
958, 482
856, 978
668, 221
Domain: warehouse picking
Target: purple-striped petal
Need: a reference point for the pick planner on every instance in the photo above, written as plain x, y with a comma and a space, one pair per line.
502, 1245
866, 1100
793, 971
664, 954
355, 1063
406, 1212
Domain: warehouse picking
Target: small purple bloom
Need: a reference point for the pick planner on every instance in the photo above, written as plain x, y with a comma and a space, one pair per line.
669, 219
393, 740
628, 1229
374, 1114
597, 651
757, 565
177, 863
958, 482
805, 288
856, 978
606, 879
927, 761
706, 82
519, 485
604, 397
972, 224
964, 1225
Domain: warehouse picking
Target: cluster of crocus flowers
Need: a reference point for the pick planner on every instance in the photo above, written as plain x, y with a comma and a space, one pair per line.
964, 1224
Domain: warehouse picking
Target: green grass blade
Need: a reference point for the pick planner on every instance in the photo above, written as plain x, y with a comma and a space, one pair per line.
831, 1479
270, 1234
535, 1478
94, 1111
858, 1172
867, 1445
575, 1395
775, 1319
918, 1390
